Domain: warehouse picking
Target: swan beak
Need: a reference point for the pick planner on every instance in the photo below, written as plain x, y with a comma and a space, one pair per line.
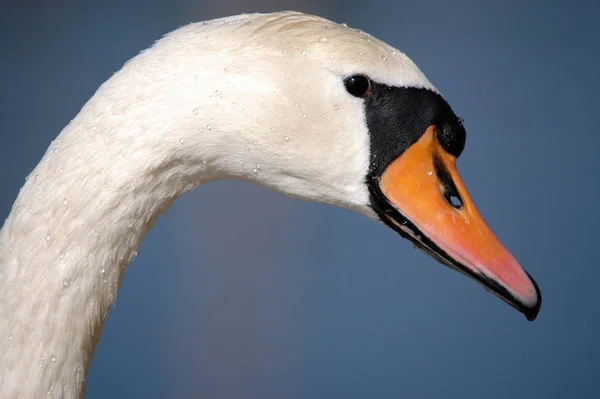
430, 205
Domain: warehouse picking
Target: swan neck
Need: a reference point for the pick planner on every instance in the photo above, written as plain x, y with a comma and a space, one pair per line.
74, 229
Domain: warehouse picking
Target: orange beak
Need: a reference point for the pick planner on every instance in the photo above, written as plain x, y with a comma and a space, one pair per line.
430, 204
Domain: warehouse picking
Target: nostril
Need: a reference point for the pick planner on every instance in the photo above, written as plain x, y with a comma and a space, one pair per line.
453, 199
447, 186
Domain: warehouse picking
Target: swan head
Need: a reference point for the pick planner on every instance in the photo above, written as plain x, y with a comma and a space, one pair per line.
326, 113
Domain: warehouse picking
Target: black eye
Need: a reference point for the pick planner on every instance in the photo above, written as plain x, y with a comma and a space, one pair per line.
358, 85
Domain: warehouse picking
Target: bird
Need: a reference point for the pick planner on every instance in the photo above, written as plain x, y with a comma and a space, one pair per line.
289, 101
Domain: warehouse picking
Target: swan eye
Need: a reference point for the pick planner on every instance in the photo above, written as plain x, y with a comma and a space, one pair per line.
358, 85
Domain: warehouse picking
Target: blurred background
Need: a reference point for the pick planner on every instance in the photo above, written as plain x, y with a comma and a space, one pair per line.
240, 292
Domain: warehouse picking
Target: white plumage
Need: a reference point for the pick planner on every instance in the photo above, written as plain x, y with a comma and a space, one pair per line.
252, 97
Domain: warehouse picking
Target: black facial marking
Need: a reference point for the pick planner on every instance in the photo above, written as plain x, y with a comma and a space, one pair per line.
397, 117
448, 138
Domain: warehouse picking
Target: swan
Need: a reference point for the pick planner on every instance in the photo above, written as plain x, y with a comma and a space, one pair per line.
289, 101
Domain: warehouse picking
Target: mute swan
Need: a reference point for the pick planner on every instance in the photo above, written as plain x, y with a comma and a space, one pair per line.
289, 101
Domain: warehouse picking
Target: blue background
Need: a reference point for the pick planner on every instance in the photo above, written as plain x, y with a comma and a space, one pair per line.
240, 292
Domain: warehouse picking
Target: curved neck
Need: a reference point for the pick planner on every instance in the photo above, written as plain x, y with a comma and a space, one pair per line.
64, 249
85, 209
